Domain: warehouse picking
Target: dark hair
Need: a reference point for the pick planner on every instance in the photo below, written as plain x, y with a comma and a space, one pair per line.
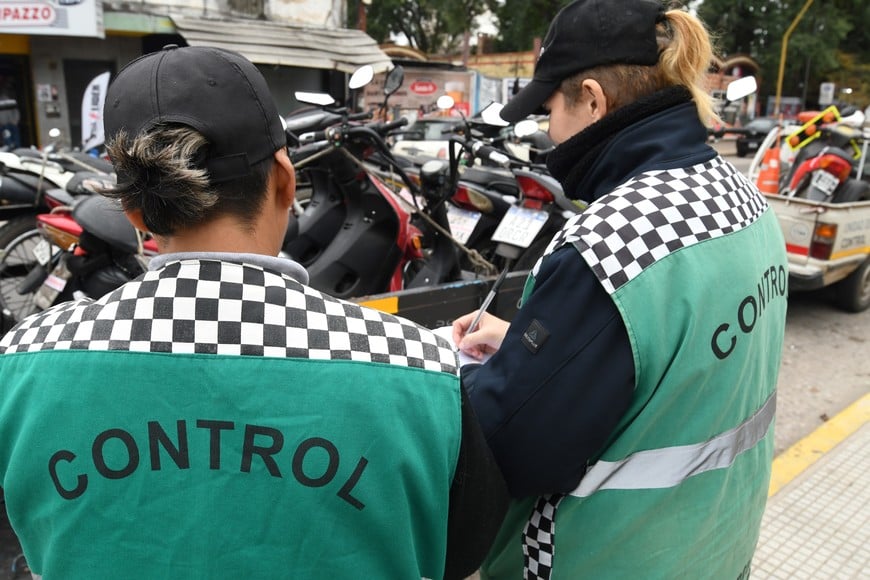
686, 53
160, 172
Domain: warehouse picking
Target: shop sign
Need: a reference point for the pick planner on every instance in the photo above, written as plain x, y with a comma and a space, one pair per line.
26, 14
423, 87
57, 18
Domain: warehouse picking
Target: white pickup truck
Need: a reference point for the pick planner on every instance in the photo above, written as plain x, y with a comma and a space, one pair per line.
827, 244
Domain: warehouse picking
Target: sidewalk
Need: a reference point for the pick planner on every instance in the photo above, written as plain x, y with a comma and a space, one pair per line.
817, 521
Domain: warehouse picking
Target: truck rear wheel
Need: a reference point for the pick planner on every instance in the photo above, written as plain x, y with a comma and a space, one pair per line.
853, 292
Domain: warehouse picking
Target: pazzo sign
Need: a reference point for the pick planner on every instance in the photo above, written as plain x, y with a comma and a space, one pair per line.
52, 17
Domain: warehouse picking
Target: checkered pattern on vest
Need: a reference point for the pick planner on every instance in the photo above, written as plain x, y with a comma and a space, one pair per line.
657, 213
539, 539
208, 306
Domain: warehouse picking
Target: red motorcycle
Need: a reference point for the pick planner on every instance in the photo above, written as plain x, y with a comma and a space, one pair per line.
829, 163
356, 236
87, 248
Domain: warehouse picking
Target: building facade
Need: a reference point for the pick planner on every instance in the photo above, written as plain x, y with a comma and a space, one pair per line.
52, 51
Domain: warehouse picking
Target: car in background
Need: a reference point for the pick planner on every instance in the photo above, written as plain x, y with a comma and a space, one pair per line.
427, 137
750, 137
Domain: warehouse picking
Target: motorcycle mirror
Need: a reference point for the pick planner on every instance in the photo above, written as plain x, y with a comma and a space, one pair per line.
445, 102
394, 80
526, 127
855, 120
319, 99
742, 87
491, 115
361, 77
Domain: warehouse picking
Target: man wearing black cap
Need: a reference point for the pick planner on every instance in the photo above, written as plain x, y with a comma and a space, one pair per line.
216, 417
630, 402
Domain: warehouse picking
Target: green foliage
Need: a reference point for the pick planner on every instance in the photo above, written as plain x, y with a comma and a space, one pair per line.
521, 21
815, 52
432, 26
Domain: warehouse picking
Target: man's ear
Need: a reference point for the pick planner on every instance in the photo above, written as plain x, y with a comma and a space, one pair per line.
284, 175
135, 217
595, 99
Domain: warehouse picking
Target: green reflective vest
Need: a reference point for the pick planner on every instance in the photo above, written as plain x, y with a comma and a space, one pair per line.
694, 260
147, 464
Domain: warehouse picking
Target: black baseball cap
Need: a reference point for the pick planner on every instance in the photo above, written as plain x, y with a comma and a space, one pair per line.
217, 92
586, 34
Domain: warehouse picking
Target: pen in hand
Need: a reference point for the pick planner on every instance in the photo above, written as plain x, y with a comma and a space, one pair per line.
486, 301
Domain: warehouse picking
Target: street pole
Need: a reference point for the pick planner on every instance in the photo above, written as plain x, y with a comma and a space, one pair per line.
361, 14
782, 56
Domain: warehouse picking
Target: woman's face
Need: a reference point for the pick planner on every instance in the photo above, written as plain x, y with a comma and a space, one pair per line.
565, 121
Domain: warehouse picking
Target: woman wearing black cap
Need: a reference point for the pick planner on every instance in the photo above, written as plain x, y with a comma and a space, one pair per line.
630, 402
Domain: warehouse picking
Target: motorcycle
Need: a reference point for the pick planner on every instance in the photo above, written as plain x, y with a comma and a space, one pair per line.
86, 248
829, 163
507, 208
34, 182
356, 236
25, 175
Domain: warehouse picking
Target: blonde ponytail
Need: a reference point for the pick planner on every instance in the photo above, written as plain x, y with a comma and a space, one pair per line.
686, 55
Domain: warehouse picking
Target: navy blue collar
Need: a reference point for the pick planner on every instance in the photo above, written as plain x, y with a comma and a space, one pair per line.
662, 131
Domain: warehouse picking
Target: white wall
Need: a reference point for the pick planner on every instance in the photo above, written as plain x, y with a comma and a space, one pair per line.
319, 13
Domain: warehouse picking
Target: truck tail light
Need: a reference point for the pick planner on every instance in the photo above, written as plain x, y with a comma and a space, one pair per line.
823, 241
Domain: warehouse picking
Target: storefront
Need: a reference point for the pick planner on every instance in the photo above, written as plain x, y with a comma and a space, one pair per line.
16, 96
55, 68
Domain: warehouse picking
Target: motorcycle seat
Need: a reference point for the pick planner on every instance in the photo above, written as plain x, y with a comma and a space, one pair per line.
500, 180
103, 217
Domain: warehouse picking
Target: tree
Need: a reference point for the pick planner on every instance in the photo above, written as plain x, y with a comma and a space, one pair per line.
431, 26
521, 21
815, 50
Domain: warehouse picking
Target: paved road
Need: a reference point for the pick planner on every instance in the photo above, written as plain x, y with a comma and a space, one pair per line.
824, 365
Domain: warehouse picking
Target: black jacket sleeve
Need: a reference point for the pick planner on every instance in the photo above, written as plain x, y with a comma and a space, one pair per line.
551, 396
478, 500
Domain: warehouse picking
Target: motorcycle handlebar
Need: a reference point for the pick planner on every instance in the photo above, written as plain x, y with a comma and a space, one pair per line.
490, 153
360, 116
387, 127
312, 137
376, 129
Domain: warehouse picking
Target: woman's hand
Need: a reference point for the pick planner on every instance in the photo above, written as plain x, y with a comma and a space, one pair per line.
484, 340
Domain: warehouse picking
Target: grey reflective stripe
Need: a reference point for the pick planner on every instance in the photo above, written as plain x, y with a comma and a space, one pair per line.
670, 466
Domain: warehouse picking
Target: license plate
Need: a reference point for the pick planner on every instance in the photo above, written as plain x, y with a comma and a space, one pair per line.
752, 145
462, 222
42, 252
519, 226
58, 278
824, 182
52, 286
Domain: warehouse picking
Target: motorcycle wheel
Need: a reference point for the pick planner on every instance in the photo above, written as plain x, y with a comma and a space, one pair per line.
18, 238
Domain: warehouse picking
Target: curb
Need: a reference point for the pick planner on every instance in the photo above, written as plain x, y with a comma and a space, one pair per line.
800, 456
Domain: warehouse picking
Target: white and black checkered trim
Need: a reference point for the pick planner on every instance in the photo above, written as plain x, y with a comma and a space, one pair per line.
208, 306
656, 214
539, 539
